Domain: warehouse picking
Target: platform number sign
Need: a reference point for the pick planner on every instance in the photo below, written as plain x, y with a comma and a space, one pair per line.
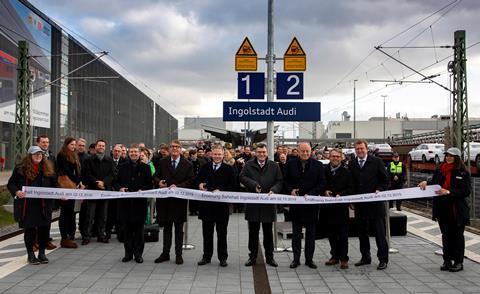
251, 85
289, 85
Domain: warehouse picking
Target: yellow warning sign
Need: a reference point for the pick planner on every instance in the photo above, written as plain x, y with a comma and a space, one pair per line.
294, 58
246, 57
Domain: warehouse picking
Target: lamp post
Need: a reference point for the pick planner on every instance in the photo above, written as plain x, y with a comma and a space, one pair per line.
384, 96
354, 111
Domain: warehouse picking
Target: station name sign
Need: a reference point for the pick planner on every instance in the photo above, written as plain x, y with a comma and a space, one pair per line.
271, 111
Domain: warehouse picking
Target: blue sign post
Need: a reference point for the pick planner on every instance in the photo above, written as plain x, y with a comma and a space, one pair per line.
251, 85
271, 111
289, 85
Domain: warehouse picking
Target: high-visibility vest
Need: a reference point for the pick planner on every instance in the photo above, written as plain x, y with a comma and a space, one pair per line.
396, 168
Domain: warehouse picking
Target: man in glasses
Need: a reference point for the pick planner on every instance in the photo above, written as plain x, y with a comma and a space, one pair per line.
173, 171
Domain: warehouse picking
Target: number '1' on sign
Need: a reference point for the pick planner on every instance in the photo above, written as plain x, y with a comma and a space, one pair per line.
289, 85
251, 85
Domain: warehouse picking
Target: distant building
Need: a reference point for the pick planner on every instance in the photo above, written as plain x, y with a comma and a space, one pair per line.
394, 127
311, 130
194, 128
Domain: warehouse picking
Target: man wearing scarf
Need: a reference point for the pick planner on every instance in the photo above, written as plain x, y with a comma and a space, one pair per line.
339, 183
97, 174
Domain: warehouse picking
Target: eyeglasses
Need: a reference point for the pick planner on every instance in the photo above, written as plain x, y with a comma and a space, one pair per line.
175, 146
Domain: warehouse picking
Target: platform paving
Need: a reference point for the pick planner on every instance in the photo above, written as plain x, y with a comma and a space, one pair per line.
97, 268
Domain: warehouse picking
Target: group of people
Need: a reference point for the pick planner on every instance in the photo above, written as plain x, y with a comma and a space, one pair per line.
222, 170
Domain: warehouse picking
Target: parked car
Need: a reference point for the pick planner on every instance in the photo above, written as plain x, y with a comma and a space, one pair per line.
348, 151
382, 150
474, 153
428, 152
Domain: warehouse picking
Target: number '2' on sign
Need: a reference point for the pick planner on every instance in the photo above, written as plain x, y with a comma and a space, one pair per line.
251, 85
289, 85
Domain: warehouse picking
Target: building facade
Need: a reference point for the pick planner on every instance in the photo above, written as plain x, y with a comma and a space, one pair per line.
73, 93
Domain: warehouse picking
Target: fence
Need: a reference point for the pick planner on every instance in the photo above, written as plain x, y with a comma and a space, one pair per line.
416, 177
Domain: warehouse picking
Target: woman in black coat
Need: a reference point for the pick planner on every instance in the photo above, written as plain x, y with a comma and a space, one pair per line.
133, 175
33, 215
450, 208
68, 164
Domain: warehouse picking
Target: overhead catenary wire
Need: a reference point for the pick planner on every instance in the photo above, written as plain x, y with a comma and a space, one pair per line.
363, 97
330, 89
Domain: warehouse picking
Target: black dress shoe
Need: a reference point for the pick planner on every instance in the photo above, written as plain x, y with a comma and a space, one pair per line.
102, 240
310, 264
381, 266
363, 262
163, 257
272, 262
223, 263
139, 259
446, 266
251, 262
294, 264
203, 261
456, 267
127, 258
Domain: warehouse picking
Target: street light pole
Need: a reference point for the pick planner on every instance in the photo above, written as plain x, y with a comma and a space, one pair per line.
354, 111
384, 96
270, 61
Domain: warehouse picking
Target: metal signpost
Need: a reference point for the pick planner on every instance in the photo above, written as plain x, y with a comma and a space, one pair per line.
289, 85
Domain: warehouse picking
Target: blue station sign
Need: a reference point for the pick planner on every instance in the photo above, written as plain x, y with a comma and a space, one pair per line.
271, 111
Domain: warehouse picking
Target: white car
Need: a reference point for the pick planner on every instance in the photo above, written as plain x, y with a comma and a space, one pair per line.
382, 150
428, 152
474, 153
348, 151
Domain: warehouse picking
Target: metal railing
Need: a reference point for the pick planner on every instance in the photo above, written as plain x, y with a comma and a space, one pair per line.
416, 177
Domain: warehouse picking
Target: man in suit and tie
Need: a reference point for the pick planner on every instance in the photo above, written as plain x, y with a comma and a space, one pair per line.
173, 171
215, 176
117, 160
261, 175
370, 176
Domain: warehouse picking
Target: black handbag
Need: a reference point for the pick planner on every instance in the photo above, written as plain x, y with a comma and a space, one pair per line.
18, 205
151, 233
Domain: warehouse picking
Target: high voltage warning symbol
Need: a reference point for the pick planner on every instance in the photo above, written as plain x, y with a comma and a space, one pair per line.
294, 58
246, 57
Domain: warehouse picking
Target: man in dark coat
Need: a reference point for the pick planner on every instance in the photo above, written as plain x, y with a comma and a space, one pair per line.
261, 175
215, 176
304, 176
112, 217
173, 171
369, 176
197, 163
397, 172
132, 176
339, 183
97, 173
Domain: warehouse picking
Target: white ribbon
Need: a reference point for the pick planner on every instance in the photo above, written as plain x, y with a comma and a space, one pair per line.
229, 197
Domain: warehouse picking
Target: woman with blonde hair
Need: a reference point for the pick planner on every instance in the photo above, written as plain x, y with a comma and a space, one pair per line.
33, 214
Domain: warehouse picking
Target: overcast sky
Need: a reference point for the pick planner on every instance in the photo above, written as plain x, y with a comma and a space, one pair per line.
185, 49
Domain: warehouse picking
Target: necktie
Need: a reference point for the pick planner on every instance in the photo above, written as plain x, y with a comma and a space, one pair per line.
215, 167
174, 164
361, 162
